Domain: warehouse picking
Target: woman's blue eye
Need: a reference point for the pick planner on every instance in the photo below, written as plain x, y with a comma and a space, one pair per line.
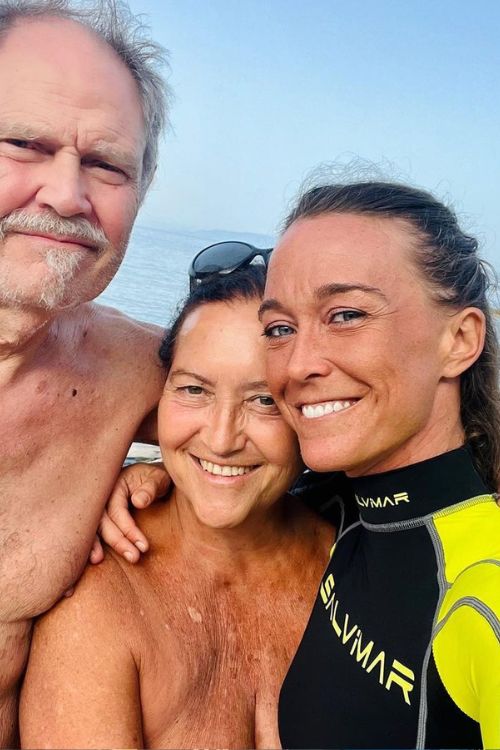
274, 332
345, 316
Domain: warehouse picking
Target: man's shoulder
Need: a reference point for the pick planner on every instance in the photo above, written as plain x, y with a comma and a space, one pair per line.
114, 325
119, 343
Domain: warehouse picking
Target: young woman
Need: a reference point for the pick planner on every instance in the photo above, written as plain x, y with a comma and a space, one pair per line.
383, 358
189, 647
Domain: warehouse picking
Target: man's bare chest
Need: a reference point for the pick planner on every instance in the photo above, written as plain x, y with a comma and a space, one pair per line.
63, 442
64, 408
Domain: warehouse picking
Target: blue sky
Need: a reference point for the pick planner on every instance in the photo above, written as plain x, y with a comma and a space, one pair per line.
268, 89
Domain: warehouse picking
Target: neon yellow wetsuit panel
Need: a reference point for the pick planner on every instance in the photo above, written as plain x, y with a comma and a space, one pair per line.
403, 646
470, 613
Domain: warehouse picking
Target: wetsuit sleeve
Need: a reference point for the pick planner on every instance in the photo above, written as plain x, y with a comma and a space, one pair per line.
467, 648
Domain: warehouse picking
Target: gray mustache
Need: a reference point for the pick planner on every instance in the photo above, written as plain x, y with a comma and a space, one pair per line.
78, 228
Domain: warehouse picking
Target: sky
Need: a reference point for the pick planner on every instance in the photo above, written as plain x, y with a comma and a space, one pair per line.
268, 90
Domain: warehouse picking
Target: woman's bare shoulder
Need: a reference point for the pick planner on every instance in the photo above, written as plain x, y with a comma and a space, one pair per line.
100, 599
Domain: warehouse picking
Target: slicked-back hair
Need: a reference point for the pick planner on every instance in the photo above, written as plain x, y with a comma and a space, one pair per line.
244, 284
448, 261
112, 21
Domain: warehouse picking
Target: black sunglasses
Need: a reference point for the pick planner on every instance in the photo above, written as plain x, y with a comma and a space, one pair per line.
223, 258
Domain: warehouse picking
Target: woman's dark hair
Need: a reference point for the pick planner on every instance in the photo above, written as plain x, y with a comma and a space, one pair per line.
244, 284
457, 277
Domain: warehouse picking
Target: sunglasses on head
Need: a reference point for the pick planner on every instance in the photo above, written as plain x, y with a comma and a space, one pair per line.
223, 258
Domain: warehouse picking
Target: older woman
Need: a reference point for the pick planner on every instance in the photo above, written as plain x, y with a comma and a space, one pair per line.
189, 648
382, 356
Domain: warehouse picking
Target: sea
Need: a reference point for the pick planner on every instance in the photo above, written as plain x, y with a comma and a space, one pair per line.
153, 278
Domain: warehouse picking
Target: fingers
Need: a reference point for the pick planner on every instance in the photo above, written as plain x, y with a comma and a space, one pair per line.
143, 497
96, 553
141, 483
152, 487
118, 529
123, 520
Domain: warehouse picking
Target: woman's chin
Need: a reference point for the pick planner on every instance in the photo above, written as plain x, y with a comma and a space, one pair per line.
221, 518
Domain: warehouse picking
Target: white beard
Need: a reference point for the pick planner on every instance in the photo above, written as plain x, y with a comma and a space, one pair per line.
62, 267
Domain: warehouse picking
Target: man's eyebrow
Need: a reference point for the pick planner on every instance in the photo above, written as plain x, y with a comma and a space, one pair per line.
21, 131
118, 155
328, 290
189, 374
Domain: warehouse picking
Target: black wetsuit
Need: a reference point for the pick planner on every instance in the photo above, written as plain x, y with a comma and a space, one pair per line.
403, 645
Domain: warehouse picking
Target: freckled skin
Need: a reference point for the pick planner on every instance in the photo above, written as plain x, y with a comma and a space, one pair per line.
186, 649
189, 647
75, 382
60, 455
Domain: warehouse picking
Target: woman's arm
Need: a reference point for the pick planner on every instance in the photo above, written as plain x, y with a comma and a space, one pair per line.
82, 685
139, 484
467, 647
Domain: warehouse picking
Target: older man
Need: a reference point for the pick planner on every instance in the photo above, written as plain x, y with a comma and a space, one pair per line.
82, 105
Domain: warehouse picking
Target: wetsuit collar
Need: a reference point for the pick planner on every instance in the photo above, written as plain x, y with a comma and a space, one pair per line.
418, 490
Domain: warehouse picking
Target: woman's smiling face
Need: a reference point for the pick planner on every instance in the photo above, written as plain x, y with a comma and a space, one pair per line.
356, 344
223, 440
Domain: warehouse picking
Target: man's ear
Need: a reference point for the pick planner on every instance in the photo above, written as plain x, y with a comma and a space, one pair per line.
465, 340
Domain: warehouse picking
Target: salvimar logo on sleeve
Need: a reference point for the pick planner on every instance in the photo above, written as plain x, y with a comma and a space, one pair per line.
382, 502
362, 650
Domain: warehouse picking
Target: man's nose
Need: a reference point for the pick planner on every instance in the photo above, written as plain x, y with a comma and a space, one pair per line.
224, 432
64, 186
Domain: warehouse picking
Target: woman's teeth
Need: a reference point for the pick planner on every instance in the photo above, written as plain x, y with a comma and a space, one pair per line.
224, 471
313, 411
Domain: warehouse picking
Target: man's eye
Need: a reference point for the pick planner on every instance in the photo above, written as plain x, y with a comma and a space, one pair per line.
277, 331
19, 143
107, 167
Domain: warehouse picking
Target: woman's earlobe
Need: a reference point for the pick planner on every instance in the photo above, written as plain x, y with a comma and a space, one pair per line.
467, 331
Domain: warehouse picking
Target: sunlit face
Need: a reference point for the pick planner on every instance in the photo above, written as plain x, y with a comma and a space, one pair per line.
71, 145
356, 345
223, 440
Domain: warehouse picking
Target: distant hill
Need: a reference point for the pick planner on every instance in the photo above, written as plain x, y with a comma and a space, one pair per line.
212, 235
221, 235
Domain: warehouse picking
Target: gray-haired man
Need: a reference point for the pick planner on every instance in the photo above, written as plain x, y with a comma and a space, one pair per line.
82, 106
